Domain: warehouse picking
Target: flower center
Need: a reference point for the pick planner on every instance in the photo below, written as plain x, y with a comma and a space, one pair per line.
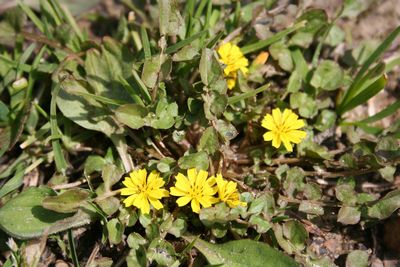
196, 192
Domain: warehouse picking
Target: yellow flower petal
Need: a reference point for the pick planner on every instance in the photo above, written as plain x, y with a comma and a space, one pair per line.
182, 201
195, 205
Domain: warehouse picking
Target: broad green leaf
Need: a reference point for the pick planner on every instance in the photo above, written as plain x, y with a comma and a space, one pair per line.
109, 205
93, 163
385, 206
311, 208
186, 53
171, 21
218, 214
316, 19
305, 103
294, 83
326, 119
132, 115
197, 160
357, 258
24, 217
209, 141
102, 73
295, 232
328, 76
67, 202
151, 70
242, 252
349, 215
387, 173
84, 111
210, 70
115, 231
166, 113
281, 53
260, 223
226, 130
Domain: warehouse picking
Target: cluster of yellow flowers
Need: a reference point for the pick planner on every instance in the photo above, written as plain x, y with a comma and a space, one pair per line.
197, 188
283, 128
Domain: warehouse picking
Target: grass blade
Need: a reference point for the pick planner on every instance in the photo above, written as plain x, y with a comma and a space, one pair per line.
68, 18
383, 113
145, 42
237, 98
28, 11
142, 86
266, 42
366, 94
61, 164
179, 45
374, 57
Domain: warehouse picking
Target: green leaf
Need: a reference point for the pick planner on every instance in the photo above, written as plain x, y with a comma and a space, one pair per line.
115, 231
387, 173
210, 69
166, 113
328, 76
242, 252
295, 232
171, 21
281, 53
196, 160
294, 83
103, 70
23, 216
209, 141
132, 115
236, 98
325, 120
84, 111
219, 214
67, 202
151, 70
226, 130
364, 95
345, 193
361, 76
385, 206
186, 53
261, 224
311, 208
349, 215
357, 258
305, 103
15, 182
275, 38
93, 163
316, 19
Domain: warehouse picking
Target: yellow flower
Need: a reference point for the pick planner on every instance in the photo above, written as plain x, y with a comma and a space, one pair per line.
283, 128
197, 189
228, 193
142, 190
234, 60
